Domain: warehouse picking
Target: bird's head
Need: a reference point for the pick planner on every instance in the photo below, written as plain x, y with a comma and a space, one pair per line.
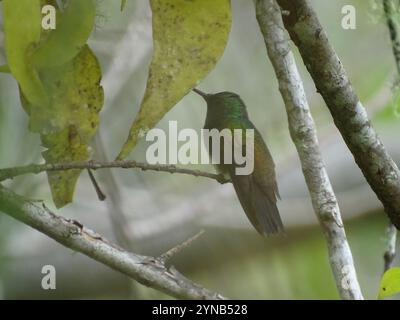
223, 102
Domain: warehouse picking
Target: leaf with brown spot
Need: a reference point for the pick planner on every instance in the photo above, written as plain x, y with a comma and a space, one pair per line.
76, 99
390, 283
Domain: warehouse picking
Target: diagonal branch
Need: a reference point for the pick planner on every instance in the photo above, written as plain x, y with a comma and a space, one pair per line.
390, 247
304, 135
348, 113
148, 271
393, 26
394, 30
10, 173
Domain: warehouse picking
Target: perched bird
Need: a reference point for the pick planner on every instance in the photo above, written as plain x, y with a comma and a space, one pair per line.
257, 191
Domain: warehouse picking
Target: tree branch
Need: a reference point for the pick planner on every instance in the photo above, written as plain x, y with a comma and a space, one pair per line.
10, 173
390, 246
348, 113
304, 135
148, 271
393, 26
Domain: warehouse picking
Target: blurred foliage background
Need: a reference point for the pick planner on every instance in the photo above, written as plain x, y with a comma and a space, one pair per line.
156, 211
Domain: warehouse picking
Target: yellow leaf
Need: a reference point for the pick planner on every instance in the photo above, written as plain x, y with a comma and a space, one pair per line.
188, 37
390, 283
72, 119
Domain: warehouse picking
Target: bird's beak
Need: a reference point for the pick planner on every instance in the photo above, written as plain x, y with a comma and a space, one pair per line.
201, 93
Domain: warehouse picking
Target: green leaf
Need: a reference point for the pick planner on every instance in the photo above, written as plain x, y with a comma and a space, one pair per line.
390, 283
5, 69
22, 28
74, 26
72, 119
189, 37
123, 4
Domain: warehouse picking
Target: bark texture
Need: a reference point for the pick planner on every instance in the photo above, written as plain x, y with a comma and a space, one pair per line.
347, 111
304, 135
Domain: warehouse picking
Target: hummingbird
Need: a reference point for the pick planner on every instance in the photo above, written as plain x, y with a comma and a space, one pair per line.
257, 191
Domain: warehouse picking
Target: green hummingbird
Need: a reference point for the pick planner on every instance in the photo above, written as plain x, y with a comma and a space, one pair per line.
257, 191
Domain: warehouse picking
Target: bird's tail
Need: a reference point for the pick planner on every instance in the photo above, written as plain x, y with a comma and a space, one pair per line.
259, 205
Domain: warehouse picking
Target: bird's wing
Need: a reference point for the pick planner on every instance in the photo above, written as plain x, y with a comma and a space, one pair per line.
258, 191
259, 207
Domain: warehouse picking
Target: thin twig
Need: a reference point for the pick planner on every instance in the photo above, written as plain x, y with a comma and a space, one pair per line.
165, 257
10, 173
99, 192
149, 271
304, 135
